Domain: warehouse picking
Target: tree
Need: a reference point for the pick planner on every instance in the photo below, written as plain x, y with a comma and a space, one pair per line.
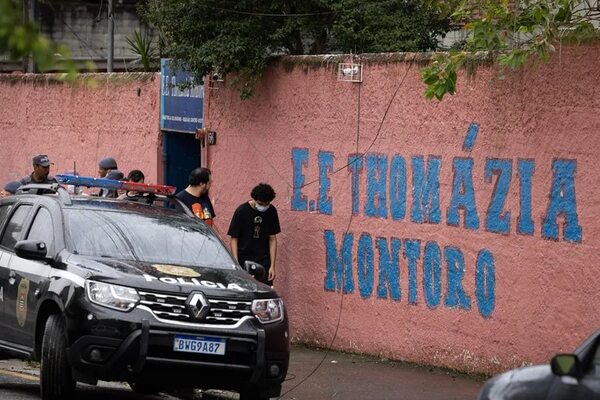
20, 39
229, 36
510, 32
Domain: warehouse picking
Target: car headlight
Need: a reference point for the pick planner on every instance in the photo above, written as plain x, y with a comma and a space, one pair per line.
112, 296
268, 310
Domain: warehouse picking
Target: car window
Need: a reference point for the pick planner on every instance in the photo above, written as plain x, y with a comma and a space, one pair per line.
4, 210
15, 226
42, 229
153, 237
595, 366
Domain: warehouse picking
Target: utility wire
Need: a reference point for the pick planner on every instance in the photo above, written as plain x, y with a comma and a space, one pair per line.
350, 222
376, 135
97, 19
283, 179
82, 41
257, 14
339, 318
373, 141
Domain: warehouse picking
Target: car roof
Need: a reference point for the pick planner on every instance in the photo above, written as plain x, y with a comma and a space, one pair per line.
99, 203
58, 194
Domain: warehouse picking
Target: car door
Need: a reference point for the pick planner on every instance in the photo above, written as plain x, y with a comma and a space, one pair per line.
13, 232
4, 262
585, 388
29, 274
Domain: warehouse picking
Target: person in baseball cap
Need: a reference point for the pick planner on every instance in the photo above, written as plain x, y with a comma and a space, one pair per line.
115, 175
41, 171
10, 188
105, 165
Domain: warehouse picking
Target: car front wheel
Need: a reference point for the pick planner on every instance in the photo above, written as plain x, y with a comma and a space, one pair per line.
144, 388
56, 381
252, 393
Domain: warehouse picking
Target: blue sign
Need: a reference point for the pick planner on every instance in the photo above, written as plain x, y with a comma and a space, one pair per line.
181, 110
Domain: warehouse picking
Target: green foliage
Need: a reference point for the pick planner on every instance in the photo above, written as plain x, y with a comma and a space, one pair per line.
513, 32
384, 26
237, 38
19, 39
440, 76
143, 47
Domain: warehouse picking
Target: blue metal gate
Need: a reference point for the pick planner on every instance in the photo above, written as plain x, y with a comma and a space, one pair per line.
181, 154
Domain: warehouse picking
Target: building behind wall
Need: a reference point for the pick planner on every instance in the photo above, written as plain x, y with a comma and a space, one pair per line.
82, 26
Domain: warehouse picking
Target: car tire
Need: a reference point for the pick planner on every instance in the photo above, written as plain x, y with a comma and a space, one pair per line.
144, 388
56, 381
252, 394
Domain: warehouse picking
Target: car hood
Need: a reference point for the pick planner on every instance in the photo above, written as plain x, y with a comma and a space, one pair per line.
528, 383
169, 278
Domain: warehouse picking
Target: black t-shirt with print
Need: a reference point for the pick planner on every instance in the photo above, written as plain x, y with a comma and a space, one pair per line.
252, 228
200, 206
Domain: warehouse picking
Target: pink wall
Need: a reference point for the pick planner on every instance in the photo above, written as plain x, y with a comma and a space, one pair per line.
104, 115
535, 291
543, 295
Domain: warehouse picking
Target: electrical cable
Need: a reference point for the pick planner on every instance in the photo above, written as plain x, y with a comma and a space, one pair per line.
373, 141
339, 319
376, 135
269, 162
356, 158
97, 19
85, 44
350, 221
271, 14
290, 377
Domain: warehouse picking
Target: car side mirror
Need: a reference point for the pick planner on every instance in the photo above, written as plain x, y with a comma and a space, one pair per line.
31, 249
255, 269
565, 365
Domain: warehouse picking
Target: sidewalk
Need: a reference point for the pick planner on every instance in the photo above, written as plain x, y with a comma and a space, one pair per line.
339, 376
353, 377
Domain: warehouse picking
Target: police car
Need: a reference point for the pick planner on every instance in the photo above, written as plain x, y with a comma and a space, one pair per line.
114, 290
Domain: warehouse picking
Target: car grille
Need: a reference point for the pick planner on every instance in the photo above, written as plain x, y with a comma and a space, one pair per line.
172, 307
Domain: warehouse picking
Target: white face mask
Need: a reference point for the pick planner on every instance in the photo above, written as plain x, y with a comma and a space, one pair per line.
261, 208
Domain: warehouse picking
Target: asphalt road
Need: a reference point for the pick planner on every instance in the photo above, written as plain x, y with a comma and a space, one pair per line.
20, 386
338, 376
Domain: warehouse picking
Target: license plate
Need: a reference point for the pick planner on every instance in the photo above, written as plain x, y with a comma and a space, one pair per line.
199, 344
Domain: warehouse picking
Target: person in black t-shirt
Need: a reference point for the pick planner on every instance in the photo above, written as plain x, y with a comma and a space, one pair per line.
195, 196
253, 231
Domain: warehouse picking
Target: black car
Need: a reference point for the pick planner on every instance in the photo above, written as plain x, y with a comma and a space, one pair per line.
568, 377
104, 289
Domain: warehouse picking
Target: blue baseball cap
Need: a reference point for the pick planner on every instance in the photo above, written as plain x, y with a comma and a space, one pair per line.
42, 160
12, 187
108, 163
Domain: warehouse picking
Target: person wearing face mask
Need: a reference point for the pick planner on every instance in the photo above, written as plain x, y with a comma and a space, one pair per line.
253, 231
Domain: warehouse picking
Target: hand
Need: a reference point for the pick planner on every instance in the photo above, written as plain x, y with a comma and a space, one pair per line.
272, 274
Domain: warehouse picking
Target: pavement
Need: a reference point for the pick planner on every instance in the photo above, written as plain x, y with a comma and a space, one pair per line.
318, 374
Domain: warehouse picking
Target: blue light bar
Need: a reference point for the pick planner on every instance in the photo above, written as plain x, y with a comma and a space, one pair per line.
104, 183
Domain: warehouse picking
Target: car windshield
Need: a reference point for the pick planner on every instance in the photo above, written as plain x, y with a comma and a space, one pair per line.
158, 237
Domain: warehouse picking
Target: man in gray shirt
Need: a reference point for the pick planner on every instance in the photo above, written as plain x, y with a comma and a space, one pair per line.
41, 171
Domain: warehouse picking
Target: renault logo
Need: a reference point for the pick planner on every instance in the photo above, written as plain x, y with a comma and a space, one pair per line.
197, 305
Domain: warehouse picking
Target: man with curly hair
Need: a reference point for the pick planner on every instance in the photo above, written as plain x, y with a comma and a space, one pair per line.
253, 231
